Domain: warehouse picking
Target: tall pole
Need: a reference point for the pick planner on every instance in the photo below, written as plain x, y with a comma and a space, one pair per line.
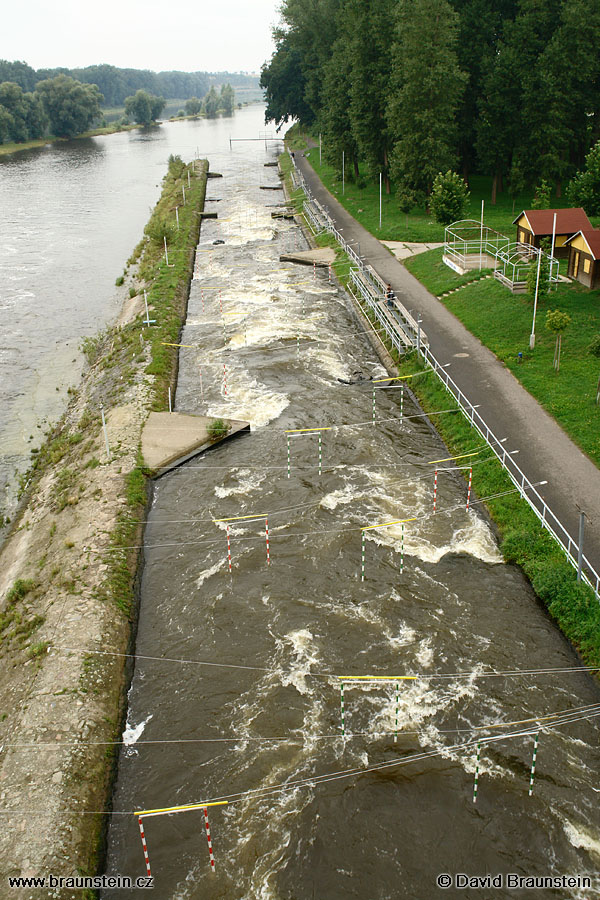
343, 172
580, 548
481, 243
553, 240
380, 200
537, 284
319, 148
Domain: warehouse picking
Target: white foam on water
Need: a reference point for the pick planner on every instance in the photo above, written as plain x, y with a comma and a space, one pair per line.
303, 648
249, 400
133, 733
473, 538
208, 573
247, 481
582, 837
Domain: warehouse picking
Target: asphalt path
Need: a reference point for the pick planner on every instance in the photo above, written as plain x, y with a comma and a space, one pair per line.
546, 453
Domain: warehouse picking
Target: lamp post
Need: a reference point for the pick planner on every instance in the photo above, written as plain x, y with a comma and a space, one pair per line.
537, 284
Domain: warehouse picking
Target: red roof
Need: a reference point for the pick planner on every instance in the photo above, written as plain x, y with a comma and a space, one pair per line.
568, 221
592, 239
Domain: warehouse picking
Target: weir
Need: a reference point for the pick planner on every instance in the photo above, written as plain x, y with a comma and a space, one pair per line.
235, 695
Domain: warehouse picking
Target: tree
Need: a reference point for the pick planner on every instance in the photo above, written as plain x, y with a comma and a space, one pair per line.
70, 105
144, 108
23, 114
227, 99
449, 198
407, 200
211, 103
584, 189
193, 106
283, 84
367, 26
556, 322
424, 98
541, 197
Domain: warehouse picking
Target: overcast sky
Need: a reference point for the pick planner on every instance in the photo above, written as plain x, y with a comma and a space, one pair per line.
189, 35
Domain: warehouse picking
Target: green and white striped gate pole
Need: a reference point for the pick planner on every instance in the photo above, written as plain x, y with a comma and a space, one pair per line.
535, 750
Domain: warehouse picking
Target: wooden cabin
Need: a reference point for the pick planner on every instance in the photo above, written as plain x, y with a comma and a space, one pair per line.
533, 225
584, 257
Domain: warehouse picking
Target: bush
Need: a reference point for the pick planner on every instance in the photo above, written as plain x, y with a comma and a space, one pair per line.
448, 199
218, 429
594, 346
157, 229
119, 281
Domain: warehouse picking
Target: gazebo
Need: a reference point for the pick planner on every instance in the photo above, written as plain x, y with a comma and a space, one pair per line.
469, 244
513, 262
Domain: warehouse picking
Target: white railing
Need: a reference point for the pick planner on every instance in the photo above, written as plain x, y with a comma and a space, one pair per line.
527, 490
412, 334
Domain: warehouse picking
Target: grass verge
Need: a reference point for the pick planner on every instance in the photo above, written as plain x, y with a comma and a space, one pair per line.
502, 321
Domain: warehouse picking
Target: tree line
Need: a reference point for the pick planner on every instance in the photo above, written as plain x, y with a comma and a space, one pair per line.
116, 84
65, 107
411, 88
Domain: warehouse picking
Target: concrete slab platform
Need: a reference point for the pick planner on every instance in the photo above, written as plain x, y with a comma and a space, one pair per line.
170, 439
404, 249
322, 257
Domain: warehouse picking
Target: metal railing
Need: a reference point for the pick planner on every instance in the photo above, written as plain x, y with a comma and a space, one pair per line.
412, 334
527, 490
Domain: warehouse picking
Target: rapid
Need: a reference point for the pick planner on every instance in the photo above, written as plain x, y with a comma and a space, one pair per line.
236, 691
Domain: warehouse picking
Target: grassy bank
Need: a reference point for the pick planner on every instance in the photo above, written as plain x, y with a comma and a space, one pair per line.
502, 321
523, 542
7, 149
68, 570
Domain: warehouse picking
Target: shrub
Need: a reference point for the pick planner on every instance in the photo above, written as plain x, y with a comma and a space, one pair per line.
448, 199
594, 346
119, 281
218, 429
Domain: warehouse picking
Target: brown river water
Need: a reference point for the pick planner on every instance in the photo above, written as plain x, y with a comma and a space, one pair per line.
236, 693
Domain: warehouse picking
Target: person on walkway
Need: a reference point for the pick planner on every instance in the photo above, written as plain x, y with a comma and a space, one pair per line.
390, 296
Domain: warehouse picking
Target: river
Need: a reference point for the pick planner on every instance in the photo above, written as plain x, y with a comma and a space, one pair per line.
71, 213
236, 690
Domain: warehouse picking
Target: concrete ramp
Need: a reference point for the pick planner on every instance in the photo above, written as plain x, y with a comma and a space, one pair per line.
323, 257
171, 439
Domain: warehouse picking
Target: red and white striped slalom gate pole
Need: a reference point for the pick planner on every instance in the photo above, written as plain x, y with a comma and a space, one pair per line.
314, 271
469, 488
329, 275
228, 550
210, 849
435, 489
145, 848
267, 539
224, 379
221, 302
202, 297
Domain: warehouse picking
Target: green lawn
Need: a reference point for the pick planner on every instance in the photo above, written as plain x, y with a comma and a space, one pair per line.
502, 321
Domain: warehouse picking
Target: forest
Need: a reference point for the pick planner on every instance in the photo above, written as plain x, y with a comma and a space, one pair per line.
411, 88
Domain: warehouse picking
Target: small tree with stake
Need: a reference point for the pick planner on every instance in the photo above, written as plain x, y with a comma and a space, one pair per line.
556, 322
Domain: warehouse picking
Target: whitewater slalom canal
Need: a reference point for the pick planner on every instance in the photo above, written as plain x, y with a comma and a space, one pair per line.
236, 692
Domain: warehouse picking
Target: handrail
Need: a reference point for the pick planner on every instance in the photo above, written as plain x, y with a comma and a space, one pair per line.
414, 337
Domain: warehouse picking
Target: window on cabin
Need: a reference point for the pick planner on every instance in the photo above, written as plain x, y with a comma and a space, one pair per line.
586, 266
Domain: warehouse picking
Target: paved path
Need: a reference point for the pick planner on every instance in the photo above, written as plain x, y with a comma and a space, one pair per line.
545, 451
